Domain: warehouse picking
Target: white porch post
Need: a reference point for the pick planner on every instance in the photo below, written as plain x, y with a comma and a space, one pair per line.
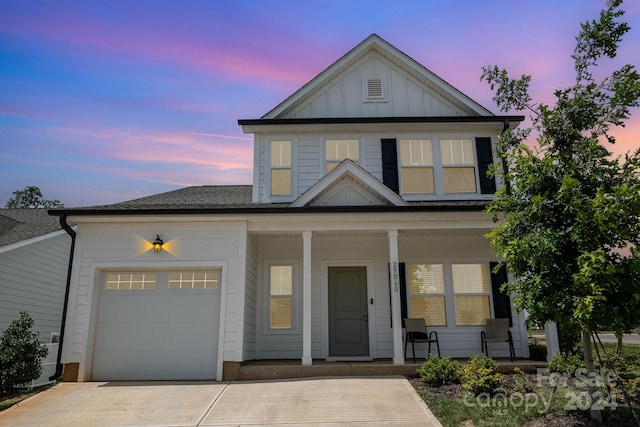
306, 297
396, 320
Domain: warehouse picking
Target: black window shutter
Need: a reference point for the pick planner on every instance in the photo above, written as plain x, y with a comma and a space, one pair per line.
403, 290
402, 278
485, 160
390, 164
501, 301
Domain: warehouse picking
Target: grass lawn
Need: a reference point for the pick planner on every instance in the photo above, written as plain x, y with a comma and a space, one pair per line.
8, 400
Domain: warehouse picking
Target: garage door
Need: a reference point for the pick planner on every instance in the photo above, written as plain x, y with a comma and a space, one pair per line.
157, 326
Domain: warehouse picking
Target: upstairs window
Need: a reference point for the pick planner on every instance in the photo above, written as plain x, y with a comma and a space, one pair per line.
281, 297
416, 162
458, 166
280, 168
339, 149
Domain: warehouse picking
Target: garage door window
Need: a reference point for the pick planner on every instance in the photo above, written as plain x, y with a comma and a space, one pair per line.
194, 279
130, 281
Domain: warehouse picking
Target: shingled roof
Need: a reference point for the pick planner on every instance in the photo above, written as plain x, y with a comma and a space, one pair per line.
21, 224
237, 199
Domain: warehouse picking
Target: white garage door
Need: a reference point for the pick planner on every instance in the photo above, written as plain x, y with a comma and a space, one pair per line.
157, 326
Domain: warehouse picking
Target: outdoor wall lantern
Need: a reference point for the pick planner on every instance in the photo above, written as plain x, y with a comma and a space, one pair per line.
157, 244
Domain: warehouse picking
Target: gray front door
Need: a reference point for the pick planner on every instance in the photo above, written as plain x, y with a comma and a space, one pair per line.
348, 312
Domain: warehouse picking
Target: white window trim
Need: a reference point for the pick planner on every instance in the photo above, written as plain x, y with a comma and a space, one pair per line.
294, 169
296, 289
323, 154
449, 294
443, 294
438, 174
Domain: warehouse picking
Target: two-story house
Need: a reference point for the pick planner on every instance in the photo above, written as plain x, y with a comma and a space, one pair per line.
366, 207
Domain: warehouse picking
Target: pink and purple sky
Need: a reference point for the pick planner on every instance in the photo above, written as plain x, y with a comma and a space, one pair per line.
106, 101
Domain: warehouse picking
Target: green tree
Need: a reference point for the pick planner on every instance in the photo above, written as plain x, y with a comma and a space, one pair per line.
570, 222
31, 197
20, 353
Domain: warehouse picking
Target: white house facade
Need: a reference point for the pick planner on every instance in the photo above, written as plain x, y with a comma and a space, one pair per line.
366, 208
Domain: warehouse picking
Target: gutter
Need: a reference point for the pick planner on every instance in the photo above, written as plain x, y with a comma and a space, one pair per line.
70, 232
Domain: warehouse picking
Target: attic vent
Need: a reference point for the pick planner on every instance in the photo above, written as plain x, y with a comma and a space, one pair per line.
374, 87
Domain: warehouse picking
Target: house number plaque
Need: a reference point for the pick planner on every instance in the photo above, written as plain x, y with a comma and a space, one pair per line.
394, 276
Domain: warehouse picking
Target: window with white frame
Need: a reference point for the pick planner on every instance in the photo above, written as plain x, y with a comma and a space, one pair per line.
280, 168
416, 166
427, 293
339, 149
471, 293
194, 279
458, 165
130, 281
281, 297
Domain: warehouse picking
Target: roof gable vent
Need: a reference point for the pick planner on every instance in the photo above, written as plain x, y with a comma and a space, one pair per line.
374, 89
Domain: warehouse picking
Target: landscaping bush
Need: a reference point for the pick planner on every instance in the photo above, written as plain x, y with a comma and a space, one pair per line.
480, 375
438, 370
521, 382
20, 353
623, 365
566, 363
537, 351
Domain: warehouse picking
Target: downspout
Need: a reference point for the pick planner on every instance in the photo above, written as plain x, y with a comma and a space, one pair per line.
70, 232
505, 165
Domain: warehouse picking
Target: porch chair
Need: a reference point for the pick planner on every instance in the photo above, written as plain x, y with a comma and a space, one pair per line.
497, 331
417, 333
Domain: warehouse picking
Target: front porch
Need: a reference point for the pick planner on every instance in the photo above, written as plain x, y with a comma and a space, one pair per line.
280, 369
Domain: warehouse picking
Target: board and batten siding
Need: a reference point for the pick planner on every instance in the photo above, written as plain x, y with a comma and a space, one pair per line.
405, 95
33, 278
114, 246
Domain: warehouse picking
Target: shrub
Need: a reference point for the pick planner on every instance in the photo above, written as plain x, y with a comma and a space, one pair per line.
633, 388
437, 371
20, 353
566, 363
521, 382
480, 375
537, 351
623, 365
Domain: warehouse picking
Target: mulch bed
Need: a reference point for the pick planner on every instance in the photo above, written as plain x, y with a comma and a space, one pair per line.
556, 419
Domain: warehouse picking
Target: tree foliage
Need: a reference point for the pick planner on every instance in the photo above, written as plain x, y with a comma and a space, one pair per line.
20, 353
31, 197
570, 223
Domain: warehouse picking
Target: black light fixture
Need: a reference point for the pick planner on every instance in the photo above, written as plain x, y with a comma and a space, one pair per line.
157, 244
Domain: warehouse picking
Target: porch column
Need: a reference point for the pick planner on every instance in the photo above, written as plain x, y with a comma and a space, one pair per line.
306, 297
396, 316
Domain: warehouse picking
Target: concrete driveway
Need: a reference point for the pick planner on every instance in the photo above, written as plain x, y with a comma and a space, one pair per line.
309, 401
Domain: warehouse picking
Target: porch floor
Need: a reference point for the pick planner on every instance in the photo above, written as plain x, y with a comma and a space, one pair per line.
278, 369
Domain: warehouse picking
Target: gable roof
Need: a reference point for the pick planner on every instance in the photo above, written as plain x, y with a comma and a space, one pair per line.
349, 174
21, 224
375, 43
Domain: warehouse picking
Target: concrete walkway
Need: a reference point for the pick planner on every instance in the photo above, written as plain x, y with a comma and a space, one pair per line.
328, 401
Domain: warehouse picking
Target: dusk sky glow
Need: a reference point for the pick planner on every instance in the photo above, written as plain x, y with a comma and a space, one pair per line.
106, 101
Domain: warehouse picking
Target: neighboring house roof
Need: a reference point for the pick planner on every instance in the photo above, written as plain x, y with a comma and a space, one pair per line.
236, 199
21, 224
